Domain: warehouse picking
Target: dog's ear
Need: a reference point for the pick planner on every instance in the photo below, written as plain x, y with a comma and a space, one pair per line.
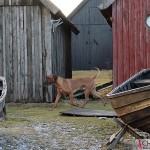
55, 77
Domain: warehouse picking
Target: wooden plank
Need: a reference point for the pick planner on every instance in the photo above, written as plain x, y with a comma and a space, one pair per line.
148, 35
19, 54
10, 54
6, 2
121, 101
4, 48
22, 3
117, 138
145, 128
120, 41
1, 41
126, 39
45, 88
46, 29
137, 21
133, 108
29, 12
1, 2
142, 81
106, 4
54, 9
40, 54
7, 51
136, 116
144, 121
15, 52
115, 46
22, 57
10, 2
25, 54
142, 36
37, 52
33, 53
131, 37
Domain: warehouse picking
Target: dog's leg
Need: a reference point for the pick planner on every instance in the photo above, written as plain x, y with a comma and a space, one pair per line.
86, 93
72, 100
59, 94
96, 94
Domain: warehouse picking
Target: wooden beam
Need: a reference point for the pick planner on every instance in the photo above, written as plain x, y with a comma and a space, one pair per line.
115, 138
54, 9
105, 4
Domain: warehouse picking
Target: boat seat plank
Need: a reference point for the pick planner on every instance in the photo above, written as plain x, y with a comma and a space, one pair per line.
142, 81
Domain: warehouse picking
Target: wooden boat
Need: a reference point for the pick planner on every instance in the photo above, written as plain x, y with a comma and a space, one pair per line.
131, 101
3, 91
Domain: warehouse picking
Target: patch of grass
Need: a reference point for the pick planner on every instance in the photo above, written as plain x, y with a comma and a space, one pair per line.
35, 113
27, 115
104, 77
19, 114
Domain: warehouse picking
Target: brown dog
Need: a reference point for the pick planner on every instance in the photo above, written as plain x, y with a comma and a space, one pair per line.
70, 86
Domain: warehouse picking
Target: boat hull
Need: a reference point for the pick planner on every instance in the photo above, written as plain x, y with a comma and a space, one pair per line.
3, 91
132, 105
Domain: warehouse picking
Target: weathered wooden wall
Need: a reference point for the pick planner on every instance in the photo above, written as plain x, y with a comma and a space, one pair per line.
61, 50
131, 38
19, 2
61, 43
26, 55
93, 46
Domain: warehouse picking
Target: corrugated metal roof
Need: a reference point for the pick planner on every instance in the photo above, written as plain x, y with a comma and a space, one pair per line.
57, 12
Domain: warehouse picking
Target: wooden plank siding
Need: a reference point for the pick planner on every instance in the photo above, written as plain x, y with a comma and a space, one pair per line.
20, 2
61, 43
26, 52
1, 41
47, 51
130, 38
93, 46
19, 63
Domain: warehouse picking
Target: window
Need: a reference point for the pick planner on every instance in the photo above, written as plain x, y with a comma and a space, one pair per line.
148, 20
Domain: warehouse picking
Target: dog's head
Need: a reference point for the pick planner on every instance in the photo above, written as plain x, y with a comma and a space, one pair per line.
51, 79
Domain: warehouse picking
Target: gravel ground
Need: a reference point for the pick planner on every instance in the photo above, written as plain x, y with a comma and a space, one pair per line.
47, 136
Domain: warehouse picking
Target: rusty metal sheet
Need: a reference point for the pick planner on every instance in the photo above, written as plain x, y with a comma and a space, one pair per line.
89, 113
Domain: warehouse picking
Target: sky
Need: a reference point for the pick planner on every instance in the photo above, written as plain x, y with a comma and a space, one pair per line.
66, 6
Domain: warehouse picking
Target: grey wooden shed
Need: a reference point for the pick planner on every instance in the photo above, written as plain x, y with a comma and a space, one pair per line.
93, 46
35, 40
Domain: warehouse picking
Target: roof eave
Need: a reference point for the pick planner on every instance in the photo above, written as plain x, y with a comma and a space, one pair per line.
106, 10
74, 29
57, 12
106, 4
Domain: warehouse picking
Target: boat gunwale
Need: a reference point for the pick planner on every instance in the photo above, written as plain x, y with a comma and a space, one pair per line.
4, 89
131, 91
123, 93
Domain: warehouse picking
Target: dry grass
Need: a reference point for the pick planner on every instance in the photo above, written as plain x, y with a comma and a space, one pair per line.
29, 115
104, 77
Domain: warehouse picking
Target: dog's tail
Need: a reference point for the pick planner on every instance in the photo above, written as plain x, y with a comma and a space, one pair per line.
98, 73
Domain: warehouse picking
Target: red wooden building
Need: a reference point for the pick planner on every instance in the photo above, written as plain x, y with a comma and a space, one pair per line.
130, 20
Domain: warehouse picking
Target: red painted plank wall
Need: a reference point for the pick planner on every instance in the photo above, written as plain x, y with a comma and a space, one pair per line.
131, 38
